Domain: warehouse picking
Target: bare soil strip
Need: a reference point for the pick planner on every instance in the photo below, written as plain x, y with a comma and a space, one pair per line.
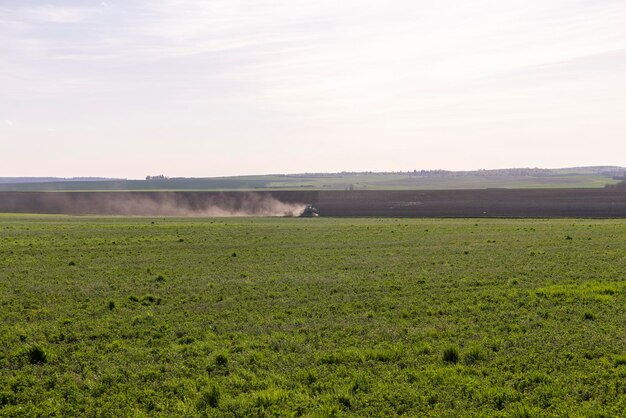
592, 203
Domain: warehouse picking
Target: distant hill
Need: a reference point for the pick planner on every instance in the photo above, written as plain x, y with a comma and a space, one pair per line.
511, 178
14, 180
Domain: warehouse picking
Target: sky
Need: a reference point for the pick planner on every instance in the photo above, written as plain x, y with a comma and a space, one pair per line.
201, 88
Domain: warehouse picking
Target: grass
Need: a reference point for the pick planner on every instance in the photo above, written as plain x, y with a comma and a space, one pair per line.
312, 317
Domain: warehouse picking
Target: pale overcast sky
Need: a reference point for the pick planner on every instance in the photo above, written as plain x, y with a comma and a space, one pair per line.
224, 87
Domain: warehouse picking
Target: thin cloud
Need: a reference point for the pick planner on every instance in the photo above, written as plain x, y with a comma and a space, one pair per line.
48, 13
223, 73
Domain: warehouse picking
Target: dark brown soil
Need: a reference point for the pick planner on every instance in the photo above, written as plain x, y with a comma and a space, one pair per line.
600, 203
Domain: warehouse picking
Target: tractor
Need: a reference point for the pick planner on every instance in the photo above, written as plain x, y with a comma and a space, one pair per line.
309, 212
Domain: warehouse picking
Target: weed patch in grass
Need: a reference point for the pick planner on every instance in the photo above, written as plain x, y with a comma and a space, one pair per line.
451, 355
209, 398
34, 354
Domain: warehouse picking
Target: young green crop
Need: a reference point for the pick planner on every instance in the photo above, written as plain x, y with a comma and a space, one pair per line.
313, 317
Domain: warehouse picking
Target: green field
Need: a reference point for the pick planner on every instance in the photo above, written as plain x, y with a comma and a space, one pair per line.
347, 181
311, 317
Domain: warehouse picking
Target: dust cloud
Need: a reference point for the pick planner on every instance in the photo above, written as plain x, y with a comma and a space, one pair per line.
161, 204
250, 204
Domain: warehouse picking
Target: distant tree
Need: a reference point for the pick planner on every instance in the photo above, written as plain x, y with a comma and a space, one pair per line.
621, 185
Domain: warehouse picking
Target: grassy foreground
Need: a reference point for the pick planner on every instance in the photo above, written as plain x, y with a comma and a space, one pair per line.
313, 317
